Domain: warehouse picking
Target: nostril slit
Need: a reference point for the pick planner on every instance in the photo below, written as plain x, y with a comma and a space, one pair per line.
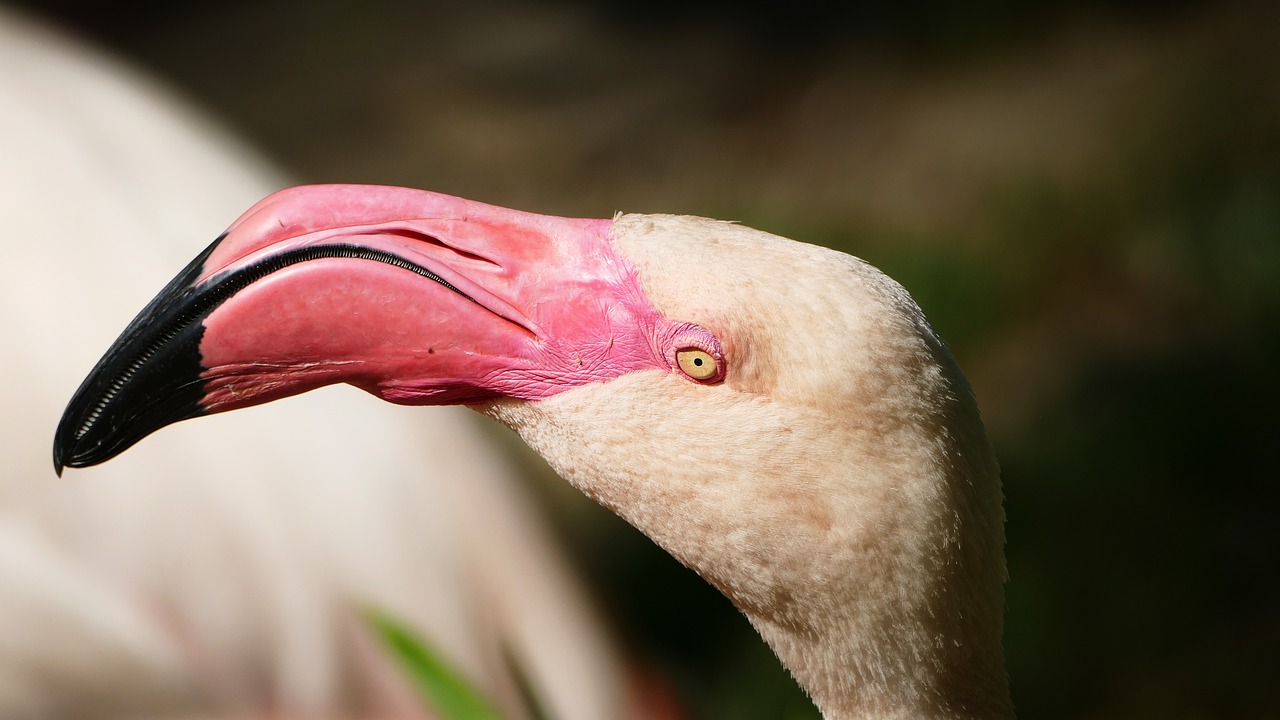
422, 237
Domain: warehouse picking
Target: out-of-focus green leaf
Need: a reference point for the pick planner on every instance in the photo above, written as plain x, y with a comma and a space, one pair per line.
443, 688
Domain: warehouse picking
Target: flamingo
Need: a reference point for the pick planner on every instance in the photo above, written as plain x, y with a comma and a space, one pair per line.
223, 573
778, 416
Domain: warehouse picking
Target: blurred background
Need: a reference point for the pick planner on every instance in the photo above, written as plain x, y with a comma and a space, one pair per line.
1084, 197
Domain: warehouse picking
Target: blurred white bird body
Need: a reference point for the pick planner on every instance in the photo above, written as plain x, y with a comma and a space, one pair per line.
220, 569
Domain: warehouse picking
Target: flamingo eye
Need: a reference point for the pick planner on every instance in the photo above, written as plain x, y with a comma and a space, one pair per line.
697, 364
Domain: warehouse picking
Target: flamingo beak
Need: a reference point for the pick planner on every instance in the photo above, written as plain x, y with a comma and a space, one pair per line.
416, 297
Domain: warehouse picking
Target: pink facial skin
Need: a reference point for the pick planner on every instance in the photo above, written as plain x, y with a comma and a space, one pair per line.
553, 305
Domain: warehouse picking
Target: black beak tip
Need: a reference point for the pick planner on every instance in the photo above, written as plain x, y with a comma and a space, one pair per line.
156, 398
64, 450
60, 447
149, 377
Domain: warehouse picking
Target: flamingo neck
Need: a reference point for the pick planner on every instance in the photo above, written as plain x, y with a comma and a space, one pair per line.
875, 574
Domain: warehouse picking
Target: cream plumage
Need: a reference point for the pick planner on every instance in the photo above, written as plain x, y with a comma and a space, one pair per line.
838, 487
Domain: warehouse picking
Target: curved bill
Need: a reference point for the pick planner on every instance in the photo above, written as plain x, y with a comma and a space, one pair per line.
416, 297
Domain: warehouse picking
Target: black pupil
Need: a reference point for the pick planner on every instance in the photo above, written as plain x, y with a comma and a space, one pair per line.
697, 361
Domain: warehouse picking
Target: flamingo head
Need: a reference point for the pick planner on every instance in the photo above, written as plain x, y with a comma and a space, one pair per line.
778, 416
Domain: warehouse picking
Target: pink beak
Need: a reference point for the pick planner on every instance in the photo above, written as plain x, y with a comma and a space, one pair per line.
416, 297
